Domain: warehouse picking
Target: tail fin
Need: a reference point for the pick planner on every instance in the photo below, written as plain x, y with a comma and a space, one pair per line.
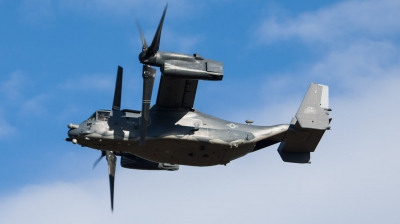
308, 127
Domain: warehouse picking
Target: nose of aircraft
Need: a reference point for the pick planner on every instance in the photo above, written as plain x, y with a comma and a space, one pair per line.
73, 133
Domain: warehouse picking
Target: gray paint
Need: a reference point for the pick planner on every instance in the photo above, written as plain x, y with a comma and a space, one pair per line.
174, 136
308, 127
190, 137
173, 133
314, 110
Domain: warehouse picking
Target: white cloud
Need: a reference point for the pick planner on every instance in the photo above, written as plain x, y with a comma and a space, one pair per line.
34, 106
365, 59
353, 40
59, 196
353, 177
356, 66
343, 21
178, 42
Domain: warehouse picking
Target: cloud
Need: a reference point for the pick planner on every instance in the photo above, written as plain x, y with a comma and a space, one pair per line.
347, 69
354, 43
178, 42
357, 180
342, 21
35, 105
364, 59
58, 196
353, 178
352, 72
17, 92
354, 173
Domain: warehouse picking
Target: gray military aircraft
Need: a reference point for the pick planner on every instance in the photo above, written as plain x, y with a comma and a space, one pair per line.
173, 133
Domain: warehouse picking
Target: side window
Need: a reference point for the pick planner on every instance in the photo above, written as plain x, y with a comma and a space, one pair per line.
93, 117
103, 115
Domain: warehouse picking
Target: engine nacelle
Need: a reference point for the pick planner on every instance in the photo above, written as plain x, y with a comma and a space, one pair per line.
133, 162
202, 70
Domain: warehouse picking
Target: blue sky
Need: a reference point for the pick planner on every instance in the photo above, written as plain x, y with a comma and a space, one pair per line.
58, 62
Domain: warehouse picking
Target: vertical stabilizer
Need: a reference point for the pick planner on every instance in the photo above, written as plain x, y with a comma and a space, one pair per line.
313, 111
308, 127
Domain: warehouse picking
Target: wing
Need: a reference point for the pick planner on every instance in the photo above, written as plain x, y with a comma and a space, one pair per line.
176, 92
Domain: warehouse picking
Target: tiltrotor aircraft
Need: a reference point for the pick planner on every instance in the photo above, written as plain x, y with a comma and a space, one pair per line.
173, 133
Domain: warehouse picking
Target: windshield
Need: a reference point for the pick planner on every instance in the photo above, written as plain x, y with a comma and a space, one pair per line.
100, 116
103, 115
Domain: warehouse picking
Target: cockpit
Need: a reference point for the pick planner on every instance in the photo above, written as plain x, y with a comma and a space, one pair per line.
100, 115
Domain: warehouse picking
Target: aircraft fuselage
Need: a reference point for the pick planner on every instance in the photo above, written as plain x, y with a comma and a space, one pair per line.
174, 136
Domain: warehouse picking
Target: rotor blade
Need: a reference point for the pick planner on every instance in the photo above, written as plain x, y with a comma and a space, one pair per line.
144, 44
118, 90
112, 161
149, 74
103, 153
155, 44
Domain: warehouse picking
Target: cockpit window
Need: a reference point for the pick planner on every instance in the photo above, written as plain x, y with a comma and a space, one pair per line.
103, 115
93, 117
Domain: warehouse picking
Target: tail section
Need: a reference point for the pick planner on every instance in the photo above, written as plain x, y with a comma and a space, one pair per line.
308, 127
313, 111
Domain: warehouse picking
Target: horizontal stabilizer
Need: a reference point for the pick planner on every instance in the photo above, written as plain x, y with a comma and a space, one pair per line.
293, 157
